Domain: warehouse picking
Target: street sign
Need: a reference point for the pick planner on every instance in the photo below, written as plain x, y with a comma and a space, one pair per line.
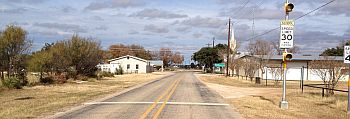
286, 36
347, 54
219, 64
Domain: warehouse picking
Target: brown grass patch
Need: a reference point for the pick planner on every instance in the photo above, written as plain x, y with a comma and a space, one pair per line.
307, 105
32, 102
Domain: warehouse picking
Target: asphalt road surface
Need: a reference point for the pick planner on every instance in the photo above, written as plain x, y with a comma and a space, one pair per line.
181, 96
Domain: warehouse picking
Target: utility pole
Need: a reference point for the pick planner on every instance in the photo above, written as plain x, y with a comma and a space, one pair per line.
253, 25
213, 42
228, 46
208, 44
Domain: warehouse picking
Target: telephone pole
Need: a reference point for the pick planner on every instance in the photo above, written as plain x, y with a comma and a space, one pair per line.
228, 47
213, 42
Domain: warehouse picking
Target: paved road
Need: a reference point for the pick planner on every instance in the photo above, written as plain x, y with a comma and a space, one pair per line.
180, 96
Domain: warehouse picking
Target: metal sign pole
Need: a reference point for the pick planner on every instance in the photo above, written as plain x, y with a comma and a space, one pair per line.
284, 103
349, 91
347, 61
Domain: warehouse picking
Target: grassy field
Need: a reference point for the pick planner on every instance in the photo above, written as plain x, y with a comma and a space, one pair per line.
307, 105
32, 102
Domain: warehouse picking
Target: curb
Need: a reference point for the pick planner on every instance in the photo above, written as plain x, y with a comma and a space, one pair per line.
82, 105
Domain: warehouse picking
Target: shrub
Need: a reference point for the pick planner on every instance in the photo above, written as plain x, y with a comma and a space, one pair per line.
82, 78
12, 83
47, 80
60, 79
72, 73
107, 74
208, 70
119, 71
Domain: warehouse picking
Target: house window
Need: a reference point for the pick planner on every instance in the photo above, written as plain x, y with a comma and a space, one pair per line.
137, 66
128, 66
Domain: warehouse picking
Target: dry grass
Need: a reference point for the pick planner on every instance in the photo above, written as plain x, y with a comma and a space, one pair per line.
307, 105
32, 102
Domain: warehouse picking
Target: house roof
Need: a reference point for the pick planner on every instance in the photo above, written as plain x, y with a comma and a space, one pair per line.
156, 62
126, 56
296, 57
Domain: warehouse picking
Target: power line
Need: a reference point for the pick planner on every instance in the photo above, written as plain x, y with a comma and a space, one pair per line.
240, 9
176, 49
294, 20
252, 10
315, 9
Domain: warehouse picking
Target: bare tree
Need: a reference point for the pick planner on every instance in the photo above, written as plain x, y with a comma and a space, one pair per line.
177, 58
263, 50
278, 51
249, 65
329, 70
165, 54
119, 50
276, 71
234, 65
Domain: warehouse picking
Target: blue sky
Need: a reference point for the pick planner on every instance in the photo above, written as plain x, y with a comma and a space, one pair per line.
183, 25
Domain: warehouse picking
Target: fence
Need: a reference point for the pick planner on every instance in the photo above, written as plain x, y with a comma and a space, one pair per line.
320, 87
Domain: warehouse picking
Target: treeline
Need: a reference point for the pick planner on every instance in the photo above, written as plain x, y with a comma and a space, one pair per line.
168, 56
74, 58
69, 58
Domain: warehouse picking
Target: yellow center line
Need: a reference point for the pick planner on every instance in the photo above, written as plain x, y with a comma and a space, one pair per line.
165, 101
144, 115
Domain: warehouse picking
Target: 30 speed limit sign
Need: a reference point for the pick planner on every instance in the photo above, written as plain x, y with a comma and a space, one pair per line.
347, 54
286, 36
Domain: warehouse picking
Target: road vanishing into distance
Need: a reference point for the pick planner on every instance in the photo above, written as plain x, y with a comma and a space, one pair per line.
179, 96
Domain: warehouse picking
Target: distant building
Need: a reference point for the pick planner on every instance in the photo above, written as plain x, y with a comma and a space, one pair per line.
298, 67
129, 64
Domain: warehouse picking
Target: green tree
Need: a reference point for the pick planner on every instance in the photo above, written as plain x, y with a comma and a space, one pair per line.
13, 46
41, 62
337, 51
75, 56
207, 56
84, 54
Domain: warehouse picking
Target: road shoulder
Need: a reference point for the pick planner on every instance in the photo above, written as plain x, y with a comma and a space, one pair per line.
234, 110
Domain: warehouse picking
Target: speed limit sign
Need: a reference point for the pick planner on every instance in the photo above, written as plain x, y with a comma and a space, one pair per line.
347, 54
286, 36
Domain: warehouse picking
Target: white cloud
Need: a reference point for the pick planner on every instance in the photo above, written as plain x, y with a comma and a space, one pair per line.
63, 27
338, 7
199, 21
114, 4
155, 29
156, 13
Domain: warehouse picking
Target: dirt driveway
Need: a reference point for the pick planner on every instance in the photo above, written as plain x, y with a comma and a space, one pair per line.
237, 92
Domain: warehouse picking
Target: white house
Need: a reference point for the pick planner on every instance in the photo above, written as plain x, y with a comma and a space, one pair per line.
129, 64
297, 69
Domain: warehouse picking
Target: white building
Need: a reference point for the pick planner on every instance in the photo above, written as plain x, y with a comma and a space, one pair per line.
129, 64
297, 69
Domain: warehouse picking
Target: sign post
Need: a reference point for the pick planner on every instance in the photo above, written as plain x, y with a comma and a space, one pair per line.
286, 42
347, 61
